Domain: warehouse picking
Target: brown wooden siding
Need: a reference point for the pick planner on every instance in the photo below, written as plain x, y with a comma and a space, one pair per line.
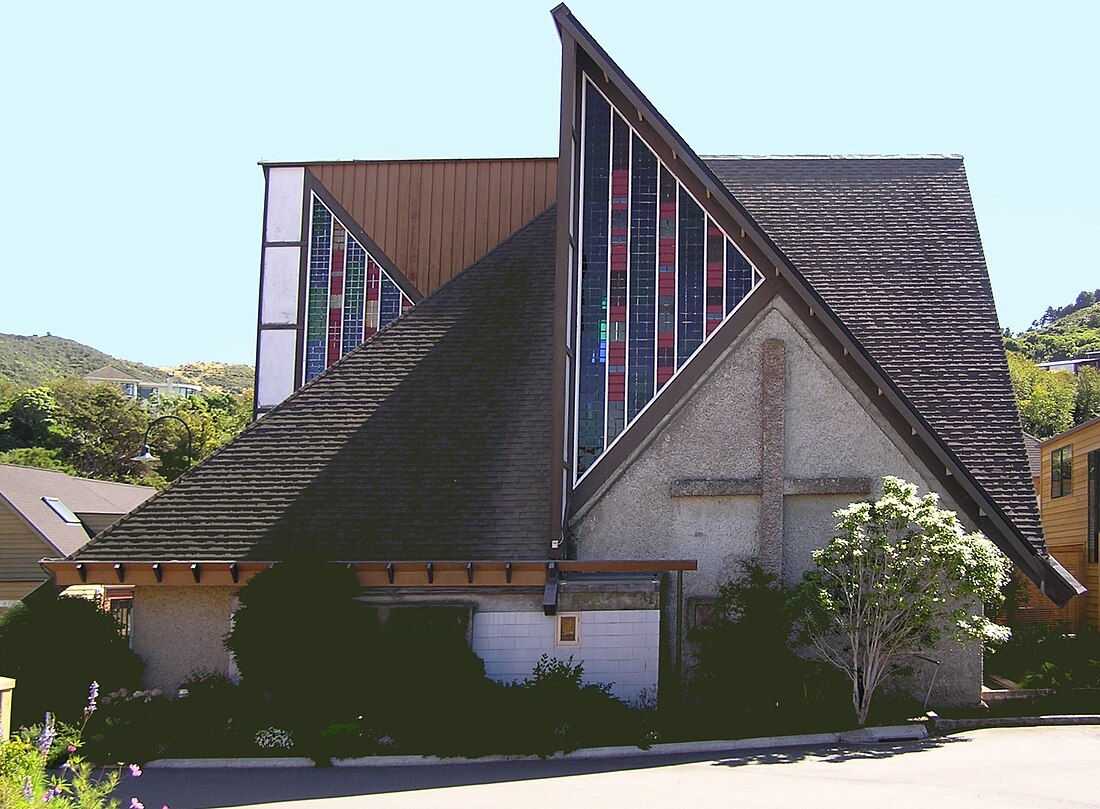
433, 218
20, 549
1065, 520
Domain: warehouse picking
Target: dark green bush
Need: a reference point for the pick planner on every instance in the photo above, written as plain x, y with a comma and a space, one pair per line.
55, 648
305, 656
747, 677
133, 726
1048, 656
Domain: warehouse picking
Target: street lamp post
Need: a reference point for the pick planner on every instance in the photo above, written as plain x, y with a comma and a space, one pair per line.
146, 456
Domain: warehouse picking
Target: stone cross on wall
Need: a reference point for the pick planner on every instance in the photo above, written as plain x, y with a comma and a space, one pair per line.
772, 486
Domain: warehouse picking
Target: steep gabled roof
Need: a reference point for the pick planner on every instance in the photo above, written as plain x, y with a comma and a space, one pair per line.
892, 245
429, 441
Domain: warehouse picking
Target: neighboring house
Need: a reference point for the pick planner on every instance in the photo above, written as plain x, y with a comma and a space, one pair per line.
618, 374
45, 513
134, 388
1069, 504
1073, 364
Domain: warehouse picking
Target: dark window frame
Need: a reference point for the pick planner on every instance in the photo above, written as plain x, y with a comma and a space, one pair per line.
1061, 472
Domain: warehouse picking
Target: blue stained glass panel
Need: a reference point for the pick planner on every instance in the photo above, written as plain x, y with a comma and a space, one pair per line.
390, 308
320, 250
740, 277
690, 278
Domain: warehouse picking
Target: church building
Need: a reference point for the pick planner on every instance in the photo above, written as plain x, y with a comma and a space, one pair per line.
567, 396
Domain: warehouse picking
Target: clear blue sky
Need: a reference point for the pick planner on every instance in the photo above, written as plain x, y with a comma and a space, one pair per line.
131, 131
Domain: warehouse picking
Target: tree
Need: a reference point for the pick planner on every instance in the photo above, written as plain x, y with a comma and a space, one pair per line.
899, 576
1087, 401
1045, 399
30, 418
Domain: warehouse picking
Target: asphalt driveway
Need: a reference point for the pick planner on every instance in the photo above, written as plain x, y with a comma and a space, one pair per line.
1004, 767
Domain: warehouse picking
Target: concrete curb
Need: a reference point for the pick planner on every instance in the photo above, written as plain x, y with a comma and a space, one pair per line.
942, 725
913, 732
229, 763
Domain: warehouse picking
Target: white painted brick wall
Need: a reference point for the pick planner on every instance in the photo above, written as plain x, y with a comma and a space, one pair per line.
616, 646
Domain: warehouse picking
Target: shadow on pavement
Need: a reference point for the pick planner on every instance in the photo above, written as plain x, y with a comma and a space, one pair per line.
840, 754
209, 788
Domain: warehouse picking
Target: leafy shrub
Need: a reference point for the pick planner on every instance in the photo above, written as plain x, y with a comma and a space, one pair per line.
54, 648
131, 726
567, 713
747, 676
1048, 656
295, 652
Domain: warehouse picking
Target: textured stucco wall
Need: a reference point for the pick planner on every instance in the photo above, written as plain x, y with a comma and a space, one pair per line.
179, 630
831, 430
616, 646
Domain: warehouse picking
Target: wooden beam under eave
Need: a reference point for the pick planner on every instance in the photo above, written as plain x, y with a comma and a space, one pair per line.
164, 574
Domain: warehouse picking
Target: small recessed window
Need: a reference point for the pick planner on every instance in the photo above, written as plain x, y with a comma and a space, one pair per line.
1061, 472
569, 626
61, 510
702, 612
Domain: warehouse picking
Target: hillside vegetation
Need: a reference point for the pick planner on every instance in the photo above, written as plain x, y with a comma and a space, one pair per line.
1051, 402
1060, 334
30, 361
216, 377
51, 418
33, 360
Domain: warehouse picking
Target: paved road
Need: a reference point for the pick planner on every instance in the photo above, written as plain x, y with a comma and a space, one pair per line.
1003, 768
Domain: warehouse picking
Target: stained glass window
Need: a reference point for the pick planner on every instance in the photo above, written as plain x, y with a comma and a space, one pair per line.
657, 277
349, 296
595, 237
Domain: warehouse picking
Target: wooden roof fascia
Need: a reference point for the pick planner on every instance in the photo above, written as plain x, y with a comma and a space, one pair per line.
1051, 577
448, 573
314, 184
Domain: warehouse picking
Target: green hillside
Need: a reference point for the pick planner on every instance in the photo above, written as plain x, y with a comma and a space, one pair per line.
1061, 333
30, 361
33, 360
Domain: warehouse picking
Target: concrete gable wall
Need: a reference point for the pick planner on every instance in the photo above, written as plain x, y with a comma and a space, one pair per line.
831, 430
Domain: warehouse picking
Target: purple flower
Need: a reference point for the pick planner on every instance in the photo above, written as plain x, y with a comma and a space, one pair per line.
136, 804
45, 738
93, 692
135, 771
28, 789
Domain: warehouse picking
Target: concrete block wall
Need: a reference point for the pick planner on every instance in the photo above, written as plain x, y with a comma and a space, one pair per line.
621, 647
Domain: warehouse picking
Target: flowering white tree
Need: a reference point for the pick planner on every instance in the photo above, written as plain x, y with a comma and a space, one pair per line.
900, 576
